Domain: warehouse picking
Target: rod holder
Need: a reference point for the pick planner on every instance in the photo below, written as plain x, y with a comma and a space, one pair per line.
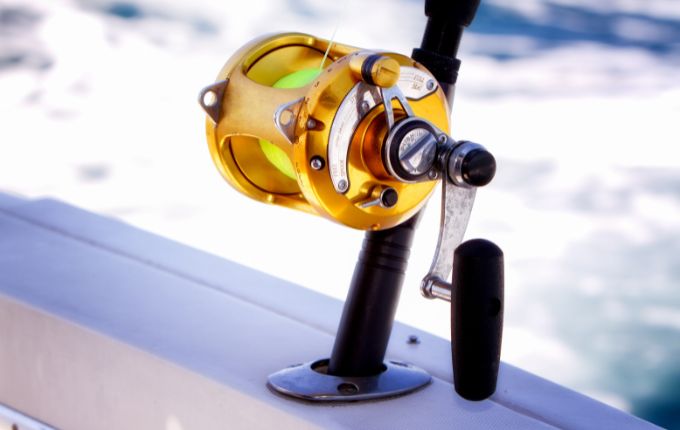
357, 369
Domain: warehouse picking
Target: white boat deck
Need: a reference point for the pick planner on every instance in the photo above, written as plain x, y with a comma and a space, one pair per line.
105, 326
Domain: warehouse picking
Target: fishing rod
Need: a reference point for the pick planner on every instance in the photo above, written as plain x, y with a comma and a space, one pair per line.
362, 137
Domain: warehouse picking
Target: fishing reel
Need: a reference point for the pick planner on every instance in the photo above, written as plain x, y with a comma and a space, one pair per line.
360, 137
294, 127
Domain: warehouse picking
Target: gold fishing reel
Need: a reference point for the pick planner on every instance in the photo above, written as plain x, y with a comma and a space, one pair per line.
303, 122
362, 137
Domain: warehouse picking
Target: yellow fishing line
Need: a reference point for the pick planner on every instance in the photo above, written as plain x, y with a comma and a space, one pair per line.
274, 154
298, 79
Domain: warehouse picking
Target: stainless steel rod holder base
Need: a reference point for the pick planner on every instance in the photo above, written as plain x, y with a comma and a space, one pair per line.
309, 382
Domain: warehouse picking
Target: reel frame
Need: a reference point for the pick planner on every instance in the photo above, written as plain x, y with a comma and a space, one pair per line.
337, 172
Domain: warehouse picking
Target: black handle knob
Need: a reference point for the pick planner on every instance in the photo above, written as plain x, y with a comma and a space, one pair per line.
477, 318
479, 167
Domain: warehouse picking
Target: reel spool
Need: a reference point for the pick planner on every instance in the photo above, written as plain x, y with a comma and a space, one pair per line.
291, 126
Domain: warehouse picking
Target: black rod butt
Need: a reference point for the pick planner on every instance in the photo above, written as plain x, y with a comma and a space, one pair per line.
477, 318
458, 12
368, 314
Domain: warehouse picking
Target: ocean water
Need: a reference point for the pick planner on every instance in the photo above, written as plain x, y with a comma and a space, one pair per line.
580, 103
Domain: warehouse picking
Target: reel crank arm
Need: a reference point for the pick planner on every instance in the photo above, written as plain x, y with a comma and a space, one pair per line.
477, 279
476, 266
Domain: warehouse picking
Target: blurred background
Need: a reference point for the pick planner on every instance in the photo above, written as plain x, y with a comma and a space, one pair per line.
578, 100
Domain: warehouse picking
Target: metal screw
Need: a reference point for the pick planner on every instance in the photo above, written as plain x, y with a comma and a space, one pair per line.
342, 185
442, 138
209, 98
365, 106
317, 163
432, 174
348, 388
430, 85
311, 124
413, 340
388, 197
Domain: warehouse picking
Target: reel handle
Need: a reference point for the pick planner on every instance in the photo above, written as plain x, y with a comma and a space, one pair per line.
477, 318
